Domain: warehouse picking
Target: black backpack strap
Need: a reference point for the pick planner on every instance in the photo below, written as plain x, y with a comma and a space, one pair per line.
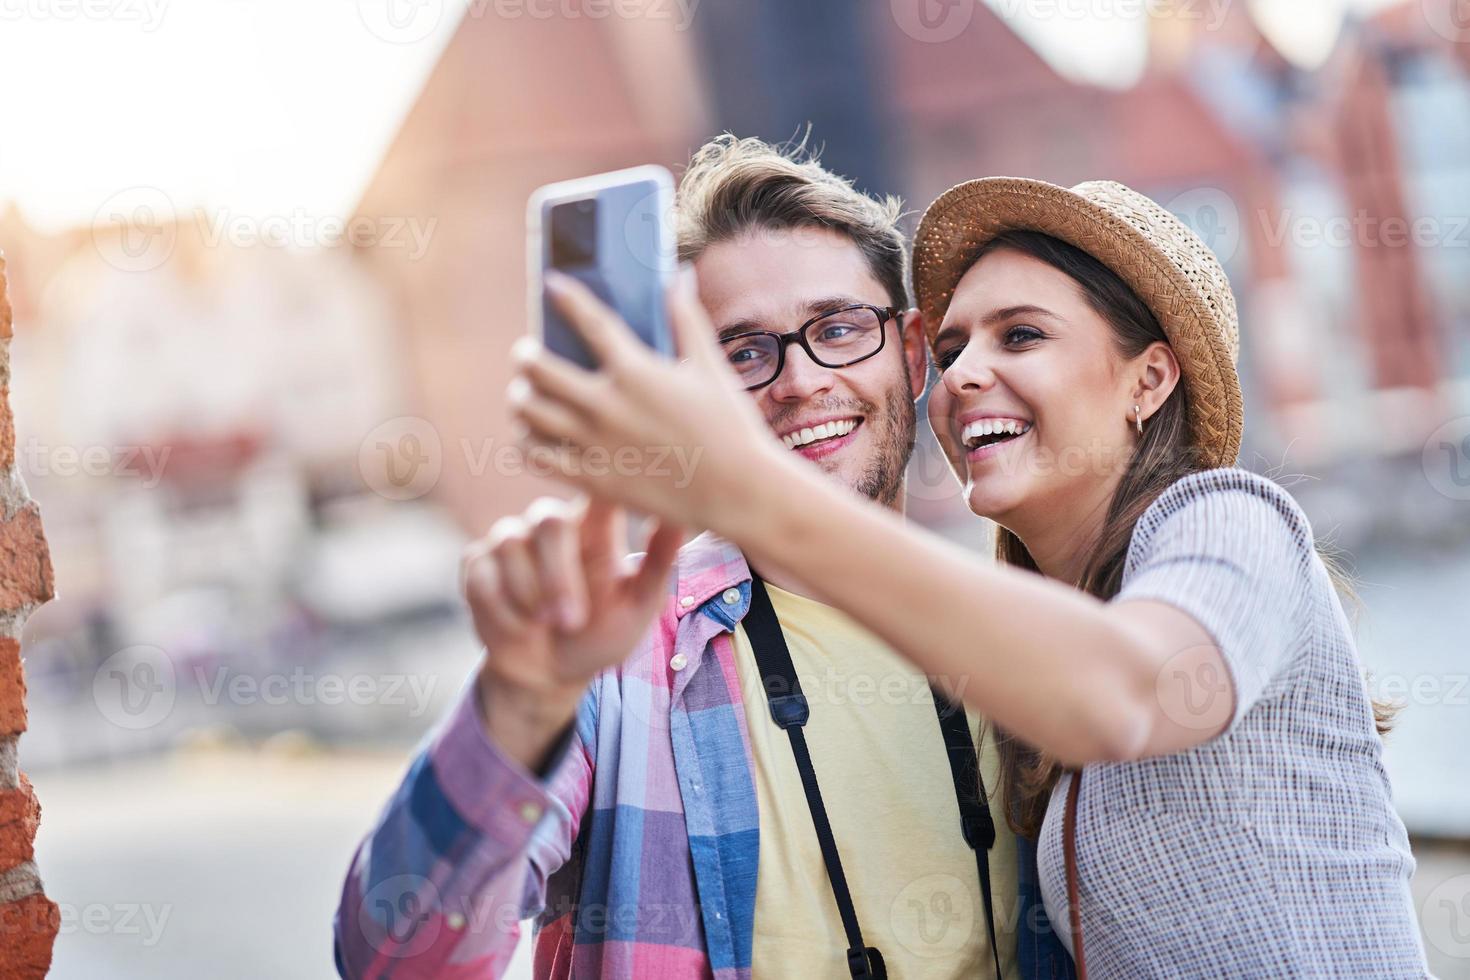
789, 710
969, 789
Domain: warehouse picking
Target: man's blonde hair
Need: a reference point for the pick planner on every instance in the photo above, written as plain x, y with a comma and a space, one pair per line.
735, 185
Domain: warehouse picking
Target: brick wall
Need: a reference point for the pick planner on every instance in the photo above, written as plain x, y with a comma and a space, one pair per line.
28, 919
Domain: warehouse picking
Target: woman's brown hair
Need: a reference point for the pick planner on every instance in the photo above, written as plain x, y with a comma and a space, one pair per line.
1164, 454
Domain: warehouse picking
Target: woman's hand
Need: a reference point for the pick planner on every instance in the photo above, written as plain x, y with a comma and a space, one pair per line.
680, 440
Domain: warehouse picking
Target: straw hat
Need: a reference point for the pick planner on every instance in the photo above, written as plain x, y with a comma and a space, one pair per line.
1166, 264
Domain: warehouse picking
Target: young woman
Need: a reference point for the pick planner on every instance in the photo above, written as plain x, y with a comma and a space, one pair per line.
1206, 775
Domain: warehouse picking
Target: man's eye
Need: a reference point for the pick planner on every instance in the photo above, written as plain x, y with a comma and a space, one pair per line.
835, 331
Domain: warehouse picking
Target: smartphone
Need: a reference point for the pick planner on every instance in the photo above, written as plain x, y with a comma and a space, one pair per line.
612, 232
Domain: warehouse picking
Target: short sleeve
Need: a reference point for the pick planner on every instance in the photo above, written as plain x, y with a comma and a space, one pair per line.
1234, 551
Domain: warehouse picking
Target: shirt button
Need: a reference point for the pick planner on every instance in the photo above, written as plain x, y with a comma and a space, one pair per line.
731, 596
530, 812
456, 921
678, 661
687, 601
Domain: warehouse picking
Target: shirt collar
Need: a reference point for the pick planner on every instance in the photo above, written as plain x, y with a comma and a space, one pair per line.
709, 566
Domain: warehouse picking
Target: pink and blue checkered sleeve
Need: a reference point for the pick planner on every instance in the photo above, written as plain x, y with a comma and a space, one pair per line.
461, 854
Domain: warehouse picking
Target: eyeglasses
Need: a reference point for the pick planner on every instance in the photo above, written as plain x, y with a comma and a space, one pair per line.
836, 339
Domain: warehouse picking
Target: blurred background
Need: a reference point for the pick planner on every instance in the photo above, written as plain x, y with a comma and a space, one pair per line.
267, 260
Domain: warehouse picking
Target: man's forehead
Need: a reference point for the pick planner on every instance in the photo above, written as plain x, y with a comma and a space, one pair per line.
774, 276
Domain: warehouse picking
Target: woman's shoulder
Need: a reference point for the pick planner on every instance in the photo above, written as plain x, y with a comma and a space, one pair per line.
1224, 509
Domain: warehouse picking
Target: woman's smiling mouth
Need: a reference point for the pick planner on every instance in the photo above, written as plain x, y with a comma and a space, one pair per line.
985, 437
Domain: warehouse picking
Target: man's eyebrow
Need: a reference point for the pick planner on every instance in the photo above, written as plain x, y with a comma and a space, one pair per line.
815, 307
738, 327
994, 317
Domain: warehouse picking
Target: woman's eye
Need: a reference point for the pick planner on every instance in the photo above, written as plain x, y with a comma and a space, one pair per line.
1021, 335
945, 360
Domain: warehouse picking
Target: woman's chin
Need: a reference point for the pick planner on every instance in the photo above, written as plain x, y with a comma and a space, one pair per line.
989, 500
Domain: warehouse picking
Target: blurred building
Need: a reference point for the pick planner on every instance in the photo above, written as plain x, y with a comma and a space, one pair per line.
1354, 342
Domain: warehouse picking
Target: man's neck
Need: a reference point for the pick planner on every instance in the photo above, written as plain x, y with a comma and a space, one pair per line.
786, 582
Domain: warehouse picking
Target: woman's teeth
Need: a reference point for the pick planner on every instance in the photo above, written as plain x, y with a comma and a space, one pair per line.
986, 431
827, 430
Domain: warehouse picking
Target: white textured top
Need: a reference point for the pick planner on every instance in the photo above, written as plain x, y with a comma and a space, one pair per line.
1272, 850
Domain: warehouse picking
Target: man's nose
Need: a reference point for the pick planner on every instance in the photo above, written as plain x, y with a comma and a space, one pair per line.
801, 377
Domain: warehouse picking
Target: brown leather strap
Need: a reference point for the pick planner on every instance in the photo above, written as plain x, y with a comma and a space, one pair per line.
1069, 854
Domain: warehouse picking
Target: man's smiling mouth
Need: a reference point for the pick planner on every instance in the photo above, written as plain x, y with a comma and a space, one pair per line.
815, 434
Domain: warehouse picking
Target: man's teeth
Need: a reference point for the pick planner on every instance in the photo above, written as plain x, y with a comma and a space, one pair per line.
826, 430
978, 430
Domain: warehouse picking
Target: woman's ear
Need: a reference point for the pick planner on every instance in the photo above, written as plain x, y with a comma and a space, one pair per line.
1156, 373
915, 352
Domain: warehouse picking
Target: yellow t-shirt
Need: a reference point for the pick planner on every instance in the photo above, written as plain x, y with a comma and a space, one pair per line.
880, 761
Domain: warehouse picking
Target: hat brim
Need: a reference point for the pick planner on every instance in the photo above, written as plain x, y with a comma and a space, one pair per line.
969, 215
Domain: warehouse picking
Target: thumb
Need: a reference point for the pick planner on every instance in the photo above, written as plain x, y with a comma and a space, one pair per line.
652, 577
693, 333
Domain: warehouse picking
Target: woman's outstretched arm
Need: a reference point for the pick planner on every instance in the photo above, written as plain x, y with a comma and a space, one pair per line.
1084, 680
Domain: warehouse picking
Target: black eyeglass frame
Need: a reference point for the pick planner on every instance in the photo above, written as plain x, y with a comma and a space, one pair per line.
798, 336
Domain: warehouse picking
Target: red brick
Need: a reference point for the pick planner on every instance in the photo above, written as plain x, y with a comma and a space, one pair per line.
20, 814
28, 929
7, 430
25, 563
12, 689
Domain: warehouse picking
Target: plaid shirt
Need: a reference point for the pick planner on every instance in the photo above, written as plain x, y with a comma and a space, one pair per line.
649, 870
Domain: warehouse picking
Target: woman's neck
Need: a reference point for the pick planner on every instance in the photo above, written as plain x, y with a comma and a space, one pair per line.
1061, 540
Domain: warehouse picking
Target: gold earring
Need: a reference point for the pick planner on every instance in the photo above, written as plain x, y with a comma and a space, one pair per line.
1137, 420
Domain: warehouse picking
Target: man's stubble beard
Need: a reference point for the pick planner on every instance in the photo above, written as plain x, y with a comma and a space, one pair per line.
894, 424
883, 480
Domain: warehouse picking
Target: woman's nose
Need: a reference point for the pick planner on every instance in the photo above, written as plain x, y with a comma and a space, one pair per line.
969, 372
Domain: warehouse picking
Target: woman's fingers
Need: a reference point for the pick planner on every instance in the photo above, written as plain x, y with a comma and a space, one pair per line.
554, 376
604, 332
694, 336
546, 419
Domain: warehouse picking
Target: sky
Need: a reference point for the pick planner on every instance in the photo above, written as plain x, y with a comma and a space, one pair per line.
280, 107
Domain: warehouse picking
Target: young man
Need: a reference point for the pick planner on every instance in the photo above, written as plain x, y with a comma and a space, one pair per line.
628, 786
